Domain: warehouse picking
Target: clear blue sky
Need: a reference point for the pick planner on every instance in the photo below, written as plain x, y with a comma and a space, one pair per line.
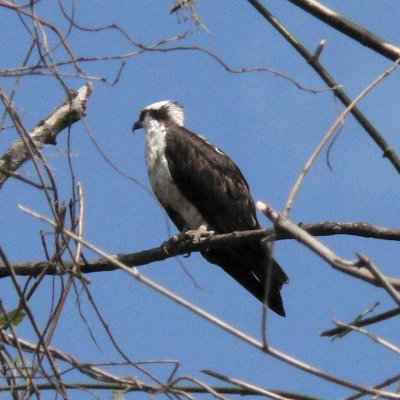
270, 128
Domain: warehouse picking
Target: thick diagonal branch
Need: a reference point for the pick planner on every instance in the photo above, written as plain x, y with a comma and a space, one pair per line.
46, 131
349, 28
387, 149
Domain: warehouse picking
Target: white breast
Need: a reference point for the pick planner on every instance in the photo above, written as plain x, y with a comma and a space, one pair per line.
160, 177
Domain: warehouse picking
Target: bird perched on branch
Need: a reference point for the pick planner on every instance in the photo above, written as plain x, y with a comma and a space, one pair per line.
201, 188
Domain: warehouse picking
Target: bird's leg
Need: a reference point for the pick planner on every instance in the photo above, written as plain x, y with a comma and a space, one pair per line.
193, 235
199, 234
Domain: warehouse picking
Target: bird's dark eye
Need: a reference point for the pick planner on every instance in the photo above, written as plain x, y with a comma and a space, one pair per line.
160, 114
142, 115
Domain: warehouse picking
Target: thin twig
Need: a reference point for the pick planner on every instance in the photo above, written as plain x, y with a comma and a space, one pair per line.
215, 320
339, 121
16, 175
386, 382
207, 388
272, 394
87, 369
367, 263
41, 345
387, 149
351, 268
363, 322
375, 338
349, 28
81, 196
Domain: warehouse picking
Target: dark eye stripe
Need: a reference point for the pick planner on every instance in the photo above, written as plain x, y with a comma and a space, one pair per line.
142, 115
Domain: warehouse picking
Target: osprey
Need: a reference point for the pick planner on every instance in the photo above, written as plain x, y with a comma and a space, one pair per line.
198, 185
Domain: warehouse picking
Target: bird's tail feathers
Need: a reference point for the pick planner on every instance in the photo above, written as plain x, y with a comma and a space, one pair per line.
258, 281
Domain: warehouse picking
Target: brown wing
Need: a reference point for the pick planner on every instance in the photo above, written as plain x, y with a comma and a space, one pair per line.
211, 181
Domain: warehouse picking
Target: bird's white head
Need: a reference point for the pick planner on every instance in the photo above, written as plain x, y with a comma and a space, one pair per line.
167, 110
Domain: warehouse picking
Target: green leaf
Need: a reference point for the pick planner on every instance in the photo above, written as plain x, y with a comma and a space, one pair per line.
14, 316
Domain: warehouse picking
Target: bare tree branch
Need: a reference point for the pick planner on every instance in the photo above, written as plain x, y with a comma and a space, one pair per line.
386, 382
106, 381
339, 122
87, 369
28, 368
353, 268
349, 28
232, 330
387, 149
174, 247
272, 394
70, 111
41, 344
375, 338
367, 263
363, 322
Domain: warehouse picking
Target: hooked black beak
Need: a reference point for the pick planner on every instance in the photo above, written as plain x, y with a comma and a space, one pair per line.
137, 125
